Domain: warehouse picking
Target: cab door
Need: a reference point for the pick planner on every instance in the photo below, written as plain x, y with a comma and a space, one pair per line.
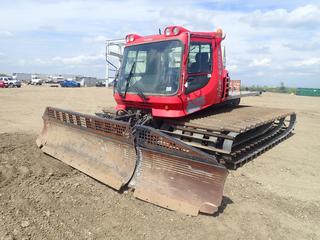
199, 73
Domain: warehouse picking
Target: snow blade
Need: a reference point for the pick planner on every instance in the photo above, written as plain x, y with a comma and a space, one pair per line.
176, 176
101, 148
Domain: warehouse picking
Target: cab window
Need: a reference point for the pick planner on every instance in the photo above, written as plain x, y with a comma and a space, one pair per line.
199, 65
199, 60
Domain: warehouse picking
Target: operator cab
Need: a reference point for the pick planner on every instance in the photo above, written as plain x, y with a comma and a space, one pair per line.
171, 74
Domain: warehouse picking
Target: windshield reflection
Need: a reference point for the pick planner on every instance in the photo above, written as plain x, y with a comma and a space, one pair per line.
154, 67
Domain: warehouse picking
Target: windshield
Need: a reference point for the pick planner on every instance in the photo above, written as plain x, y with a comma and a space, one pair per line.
154, 68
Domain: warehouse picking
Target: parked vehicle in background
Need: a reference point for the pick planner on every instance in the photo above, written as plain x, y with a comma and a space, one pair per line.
10, 82
35, 80
57, 79
2, 84
100, 84
69, 83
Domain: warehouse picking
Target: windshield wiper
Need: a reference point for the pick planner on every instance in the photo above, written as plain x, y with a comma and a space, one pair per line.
128, 80
140, 93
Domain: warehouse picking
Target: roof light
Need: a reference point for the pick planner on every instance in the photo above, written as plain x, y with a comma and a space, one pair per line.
131, 37
219, 32
167, 31
176, 31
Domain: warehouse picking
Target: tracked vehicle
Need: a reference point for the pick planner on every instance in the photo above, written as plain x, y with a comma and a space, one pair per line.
177, 126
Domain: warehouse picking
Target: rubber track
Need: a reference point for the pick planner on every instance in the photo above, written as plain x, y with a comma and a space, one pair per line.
242, 123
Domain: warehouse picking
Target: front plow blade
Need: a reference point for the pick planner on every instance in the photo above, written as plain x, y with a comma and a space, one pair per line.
176, 176
101, 148
166, 172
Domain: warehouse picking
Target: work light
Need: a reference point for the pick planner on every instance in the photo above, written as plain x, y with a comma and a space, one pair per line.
167, 32
175, 31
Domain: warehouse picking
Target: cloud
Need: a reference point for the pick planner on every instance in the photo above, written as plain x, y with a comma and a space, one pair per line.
260, 62
3, 58
259, 74
260, 49
6, 34
75, 16
22, 62
302, 17
302, 46
313, 62
75, 60
78, 60
233, 67
97, 39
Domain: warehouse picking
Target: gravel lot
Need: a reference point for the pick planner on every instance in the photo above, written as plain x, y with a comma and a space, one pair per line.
276, 196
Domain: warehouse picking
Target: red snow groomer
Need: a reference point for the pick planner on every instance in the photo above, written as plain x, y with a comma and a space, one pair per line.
176, 128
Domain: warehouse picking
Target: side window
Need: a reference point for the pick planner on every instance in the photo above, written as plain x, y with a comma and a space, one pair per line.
199, 66
199, 58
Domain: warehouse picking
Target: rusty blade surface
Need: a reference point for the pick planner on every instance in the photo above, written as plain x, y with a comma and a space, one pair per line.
101, 148
176, 176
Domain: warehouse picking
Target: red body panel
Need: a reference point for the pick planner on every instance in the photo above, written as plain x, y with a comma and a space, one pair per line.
182, 104
160, 106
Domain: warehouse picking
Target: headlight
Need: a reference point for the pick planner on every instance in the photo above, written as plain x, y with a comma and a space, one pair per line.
167, 32
176, 31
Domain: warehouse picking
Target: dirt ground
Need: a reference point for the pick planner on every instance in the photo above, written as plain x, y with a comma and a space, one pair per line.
276, 196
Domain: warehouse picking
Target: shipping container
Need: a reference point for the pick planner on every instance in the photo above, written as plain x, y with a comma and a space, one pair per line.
308, 92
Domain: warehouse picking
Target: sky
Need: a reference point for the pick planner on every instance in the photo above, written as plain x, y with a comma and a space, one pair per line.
267, 42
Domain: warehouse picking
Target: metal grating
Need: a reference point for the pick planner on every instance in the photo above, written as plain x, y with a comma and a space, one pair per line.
153, 139
96, 124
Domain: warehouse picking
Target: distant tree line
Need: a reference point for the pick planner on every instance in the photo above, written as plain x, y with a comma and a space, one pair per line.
281, 89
